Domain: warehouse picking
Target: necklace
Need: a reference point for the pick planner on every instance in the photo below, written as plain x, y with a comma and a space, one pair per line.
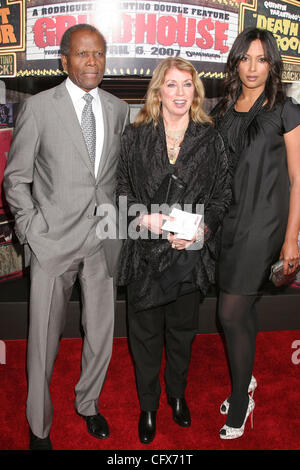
174, 141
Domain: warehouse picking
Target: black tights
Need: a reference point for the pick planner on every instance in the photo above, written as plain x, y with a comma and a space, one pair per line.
238, 318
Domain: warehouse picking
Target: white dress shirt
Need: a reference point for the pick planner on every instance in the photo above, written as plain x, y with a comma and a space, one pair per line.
76, 95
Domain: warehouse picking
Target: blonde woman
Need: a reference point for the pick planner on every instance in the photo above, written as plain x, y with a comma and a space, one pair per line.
172, 137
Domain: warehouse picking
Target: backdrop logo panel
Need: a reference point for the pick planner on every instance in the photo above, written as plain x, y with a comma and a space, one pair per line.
139, 34
12, 35
282, 18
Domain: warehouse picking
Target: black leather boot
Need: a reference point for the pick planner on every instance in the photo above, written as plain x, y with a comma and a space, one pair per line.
147, 426
181, 413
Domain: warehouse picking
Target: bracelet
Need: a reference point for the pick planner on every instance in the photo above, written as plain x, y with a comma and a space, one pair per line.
202, 234
199, 235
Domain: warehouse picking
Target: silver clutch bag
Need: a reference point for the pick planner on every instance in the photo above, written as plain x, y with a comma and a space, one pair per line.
277, 275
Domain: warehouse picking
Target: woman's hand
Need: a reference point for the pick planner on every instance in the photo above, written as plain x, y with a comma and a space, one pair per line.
290, 251
179, 243
154, 222
182, 244
290, 255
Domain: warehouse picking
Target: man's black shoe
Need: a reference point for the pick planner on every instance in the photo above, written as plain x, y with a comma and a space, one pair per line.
37, 443
97, 426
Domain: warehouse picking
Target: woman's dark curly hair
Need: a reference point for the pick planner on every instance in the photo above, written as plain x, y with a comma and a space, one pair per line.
232, 84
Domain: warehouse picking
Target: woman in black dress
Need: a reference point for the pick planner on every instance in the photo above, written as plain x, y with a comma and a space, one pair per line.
172, 137
261, 130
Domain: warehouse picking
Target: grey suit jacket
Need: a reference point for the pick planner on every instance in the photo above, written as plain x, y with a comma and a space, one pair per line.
49, 181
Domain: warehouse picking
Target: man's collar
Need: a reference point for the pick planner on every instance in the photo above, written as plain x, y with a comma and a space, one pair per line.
77, 91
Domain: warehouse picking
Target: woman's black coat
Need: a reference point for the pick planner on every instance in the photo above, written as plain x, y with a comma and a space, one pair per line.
202, 165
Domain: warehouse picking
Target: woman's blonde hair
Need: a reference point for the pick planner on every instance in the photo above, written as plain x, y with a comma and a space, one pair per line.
151, 110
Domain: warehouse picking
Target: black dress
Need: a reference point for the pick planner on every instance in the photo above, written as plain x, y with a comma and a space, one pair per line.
255, 225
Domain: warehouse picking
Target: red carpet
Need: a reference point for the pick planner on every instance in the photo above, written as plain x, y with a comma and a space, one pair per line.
277, 398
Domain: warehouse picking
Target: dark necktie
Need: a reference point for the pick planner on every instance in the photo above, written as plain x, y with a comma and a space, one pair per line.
88, 125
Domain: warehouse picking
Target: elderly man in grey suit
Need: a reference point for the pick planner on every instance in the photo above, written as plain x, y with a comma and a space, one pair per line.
60, 168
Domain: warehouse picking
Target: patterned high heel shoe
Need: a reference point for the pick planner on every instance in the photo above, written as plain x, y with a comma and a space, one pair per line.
227, 432
251, 389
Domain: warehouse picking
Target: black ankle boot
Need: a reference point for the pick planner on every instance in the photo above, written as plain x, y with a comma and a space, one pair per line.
147, 426
181, 413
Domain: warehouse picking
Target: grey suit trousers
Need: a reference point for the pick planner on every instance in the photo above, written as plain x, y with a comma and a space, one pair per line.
49, 298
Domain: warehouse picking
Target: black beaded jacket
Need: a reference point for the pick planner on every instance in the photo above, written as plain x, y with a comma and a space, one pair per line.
202, 165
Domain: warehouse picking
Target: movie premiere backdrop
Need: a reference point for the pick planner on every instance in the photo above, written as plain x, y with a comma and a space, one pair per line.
139, 34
